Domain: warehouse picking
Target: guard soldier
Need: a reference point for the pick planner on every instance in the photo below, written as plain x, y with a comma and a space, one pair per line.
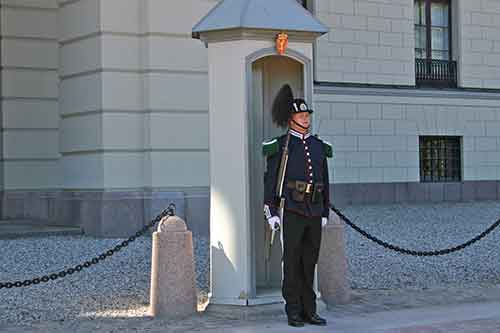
303, 178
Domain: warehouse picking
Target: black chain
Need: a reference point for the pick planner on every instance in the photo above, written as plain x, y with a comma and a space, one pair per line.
169, 211
412, 252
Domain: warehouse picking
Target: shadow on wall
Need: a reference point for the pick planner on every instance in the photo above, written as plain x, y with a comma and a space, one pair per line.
221, 263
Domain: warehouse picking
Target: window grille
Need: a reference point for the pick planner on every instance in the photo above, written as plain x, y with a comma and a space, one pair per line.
440, 159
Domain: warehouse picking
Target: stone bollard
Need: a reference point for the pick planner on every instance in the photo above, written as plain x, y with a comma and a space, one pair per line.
332, 264
173, 285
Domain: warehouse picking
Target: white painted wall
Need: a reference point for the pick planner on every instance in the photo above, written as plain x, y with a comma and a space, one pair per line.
134, 94
29, 94
375, 133
230, 227
176, 94
81, 91
479, 52
370, 41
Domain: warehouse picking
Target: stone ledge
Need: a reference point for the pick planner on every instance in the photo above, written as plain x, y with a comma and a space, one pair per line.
257, 312
11, 229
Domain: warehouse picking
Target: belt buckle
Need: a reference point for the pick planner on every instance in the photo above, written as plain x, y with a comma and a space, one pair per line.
309, 187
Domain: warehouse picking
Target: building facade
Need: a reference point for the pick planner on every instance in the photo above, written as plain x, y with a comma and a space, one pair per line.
104, 106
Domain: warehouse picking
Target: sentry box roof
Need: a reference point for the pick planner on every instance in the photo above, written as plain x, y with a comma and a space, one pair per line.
285, 15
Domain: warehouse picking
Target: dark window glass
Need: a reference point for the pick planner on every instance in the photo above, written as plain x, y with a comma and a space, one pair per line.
432, 29
440, 45
440, 159
420, 29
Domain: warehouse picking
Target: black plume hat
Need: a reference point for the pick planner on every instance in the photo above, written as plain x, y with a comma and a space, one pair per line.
282, 106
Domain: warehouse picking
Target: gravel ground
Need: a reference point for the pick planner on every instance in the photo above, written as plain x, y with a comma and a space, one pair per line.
119, 287
423, 227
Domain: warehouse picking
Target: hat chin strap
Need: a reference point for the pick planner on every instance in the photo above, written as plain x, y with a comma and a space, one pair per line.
303, 127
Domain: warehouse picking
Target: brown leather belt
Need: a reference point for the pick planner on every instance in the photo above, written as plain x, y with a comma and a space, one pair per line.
302, 191
300, 186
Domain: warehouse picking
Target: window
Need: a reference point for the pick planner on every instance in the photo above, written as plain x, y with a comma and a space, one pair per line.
433, 63
432, 29
440, 159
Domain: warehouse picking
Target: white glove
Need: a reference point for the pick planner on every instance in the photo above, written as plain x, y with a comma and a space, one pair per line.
274, 222
324, 221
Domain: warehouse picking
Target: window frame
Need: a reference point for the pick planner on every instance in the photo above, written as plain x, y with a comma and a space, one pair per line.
442, 154
428, 27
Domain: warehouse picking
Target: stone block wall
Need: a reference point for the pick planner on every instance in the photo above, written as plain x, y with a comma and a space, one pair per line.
375, 132
29, 94
370, 41
479, 44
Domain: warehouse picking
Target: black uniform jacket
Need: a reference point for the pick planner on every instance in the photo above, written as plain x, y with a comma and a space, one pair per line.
307, 164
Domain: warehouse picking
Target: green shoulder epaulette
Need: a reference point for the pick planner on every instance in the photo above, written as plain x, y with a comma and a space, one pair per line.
327, 146
270, 147
328, 149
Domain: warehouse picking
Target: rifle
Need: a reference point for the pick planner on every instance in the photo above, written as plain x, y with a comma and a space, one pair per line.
281, 207
279, 187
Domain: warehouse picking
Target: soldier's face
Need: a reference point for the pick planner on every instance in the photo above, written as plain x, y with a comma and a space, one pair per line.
303, 118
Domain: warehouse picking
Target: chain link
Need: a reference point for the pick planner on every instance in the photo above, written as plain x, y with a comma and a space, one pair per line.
169, 211
413, 252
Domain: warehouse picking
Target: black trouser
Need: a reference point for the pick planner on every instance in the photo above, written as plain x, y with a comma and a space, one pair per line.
301, 238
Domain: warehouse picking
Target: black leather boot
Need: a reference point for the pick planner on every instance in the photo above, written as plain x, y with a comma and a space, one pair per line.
295, 320
315, 319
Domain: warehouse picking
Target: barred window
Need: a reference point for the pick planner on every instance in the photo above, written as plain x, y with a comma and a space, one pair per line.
440, 159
